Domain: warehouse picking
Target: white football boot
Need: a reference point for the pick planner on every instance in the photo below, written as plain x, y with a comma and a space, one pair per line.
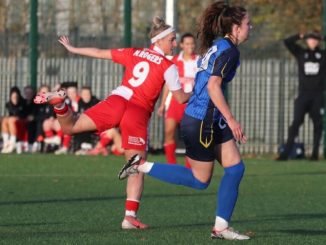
228, 234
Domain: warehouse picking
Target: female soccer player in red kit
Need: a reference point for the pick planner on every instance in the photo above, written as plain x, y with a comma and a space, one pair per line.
186, 61
130, 105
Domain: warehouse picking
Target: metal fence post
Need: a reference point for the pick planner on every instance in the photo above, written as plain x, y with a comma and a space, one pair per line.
324, 116
33, 43
127, 23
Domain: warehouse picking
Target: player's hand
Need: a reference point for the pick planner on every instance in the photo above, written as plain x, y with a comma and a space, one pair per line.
66, 43
160, 110
237, 131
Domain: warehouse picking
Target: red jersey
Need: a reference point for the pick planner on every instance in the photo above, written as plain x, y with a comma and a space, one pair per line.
187, 70
146, 71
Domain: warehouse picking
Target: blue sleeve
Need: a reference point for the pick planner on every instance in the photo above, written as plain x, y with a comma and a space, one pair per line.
225, 63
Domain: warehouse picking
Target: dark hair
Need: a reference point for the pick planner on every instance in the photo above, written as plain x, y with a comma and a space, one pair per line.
186, 35
217, 20
315, 34
86, 88
16, 90
158, 25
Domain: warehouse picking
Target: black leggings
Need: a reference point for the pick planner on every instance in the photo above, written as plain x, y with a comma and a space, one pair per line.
312, 104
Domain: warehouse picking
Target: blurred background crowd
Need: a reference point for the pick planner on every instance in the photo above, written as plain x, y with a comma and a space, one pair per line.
31, 128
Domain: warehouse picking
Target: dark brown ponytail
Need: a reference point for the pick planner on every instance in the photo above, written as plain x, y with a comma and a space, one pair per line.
217, 20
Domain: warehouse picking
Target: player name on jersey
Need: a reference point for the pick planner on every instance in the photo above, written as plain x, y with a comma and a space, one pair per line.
149, 56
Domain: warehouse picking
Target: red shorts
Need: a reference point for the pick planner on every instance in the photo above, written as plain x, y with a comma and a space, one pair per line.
175, 110
132, 120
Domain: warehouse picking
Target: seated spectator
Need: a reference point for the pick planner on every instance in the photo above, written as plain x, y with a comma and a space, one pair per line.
43, 113
28, 133
111, 136
87, 100
15, 108
52, 130
72, 101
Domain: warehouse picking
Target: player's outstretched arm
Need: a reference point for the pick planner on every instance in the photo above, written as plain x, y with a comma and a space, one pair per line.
90, 52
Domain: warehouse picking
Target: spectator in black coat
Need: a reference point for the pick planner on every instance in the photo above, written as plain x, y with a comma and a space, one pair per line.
312, 73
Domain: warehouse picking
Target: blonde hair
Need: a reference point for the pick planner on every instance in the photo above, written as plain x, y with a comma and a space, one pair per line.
158, 25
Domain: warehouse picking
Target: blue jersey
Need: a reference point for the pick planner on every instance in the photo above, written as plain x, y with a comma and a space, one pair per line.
222, 60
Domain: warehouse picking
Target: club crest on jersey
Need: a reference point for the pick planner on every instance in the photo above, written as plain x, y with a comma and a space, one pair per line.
133, 140
318, 55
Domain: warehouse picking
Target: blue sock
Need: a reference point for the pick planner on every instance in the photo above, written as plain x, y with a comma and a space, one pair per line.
176, 174
228, 191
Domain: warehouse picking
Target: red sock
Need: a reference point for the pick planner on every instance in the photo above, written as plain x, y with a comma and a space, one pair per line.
187, 164
116, 152
40, 138
60, 133
48, 133
170, 152
132, 207
66, 141
104, 141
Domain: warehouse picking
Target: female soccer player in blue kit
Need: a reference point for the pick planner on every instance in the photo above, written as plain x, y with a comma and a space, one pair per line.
209, 129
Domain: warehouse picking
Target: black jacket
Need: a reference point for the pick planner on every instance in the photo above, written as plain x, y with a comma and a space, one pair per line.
83, 106
311, 65
16, 110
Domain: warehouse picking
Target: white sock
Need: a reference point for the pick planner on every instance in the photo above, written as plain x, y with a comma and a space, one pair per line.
13, 139
145, 167
5, 138
130, 213
220, 224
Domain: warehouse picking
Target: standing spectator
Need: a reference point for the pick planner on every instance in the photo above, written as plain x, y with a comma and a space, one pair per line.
311, 66
15, 108
186, 61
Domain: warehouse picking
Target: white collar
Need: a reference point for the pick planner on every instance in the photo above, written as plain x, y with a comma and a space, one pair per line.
180, 56
158, 50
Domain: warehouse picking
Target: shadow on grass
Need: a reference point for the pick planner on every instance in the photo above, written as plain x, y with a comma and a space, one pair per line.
96, 199
30, 224
287, 174
288, 217
304, 232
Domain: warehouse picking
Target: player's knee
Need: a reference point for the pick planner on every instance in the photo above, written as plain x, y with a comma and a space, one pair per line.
236, 170
200, 185
169, 133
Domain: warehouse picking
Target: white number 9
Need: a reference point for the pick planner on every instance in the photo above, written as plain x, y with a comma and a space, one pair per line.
139, 73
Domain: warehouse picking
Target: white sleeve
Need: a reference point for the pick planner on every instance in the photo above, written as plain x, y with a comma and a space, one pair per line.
171, 77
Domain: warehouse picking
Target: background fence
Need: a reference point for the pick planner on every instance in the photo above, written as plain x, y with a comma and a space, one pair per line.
261, 96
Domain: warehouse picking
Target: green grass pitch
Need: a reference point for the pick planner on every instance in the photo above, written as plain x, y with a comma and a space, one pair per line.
46, 199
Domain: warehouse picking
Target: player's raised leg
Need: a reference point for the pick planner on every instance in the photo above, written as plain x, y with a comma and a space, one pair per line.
68, 122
